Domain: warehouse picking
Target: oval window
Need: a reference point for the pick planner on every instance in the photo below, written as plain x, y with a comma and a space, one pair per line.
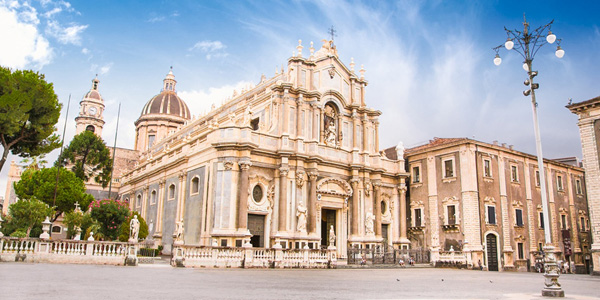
257, 193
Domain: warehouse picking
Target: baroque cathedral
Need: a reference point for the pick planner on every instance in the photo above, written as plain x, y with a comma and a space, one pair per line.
295, 163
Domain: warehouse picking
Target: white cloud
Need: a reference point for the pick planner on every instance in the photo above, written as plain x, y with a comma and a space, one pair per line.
213, 49
200, 102
65, 35
101, 70
27, 47
85, 51
155, 19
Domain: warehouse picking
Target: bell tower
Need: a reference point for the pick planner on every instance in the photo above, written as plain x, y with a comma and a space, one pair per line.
91, 109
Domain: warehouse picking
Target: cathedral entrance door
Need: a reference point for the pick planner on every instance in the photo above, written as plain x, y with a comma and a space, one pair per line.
327, 220
256, 225
492, 252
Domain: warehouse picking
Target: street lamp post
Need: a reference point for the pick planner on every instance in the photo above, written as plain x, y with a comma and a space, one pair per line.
527, 43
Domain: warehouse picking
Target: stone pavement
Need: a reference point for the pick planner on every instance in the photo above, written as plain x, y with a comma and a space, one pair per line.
54, 281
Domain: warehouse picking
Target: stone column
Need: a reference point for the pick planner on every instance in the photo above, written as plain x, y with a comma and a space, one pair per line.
285, 112
242, 220
315, 119
376, 146
312, 202
180, 197
159, 206
355, 123
402, 221
355, 205
365, 139
283, 172
377, 192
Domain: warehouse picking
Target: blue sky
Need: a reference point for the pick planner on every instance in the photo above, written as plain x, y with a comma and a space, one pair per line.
428, 63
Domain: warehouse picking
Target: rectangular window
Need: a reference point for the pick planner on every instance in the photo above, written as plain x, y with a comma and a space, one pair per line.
541, 214
451, 209
514, 175
448, 168
582, 222
519, 217
487, 168
254, 124
416, 174
520, 251
559, 183
151, 139
417, 217
491, 214
578, 187
537, 178
563, 222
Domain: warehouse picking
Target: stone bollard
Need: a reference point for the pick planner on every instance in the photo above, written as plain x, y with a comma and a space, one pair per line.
178, 257
131, 258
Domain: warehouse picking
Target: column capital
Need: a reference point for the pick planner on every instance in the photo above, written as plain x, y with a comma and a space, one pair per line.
283, 171
312, 175
228, 165
245, 165
181, 175
402, 188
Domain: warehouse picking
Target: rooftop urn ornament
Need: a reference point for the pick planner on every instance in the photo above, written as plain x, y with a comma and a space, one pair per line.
527, 43
91, 238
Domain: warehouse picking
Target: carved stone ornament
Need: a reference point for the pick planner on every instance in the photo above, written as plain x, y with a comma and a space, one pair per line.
368, 187
245, 165
331, 72
299, 179
228, 165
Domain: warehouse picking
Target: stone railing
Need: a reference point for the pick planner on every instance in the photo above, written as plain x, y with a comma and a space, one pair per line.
224, 257
456, 259
63, 251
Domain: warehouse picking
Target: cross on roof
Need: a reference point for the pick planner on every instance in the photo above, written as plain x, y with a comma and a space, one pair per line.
332, 32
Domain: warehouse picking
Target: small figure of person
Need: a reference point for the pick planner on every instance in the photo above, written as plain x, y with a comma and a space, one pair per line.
363, 261
411, 261
401, 263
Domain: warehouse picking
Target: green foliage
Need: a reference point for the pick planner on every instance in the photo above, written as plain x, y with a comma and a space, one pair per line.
124, 229
19, 233
90, 158
110, 214
76, 219
28, 213
41, 184
29, 109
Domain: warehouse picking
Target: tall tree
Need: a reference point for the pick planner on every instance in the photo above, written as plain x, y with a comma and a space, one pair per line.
41, 184
28, 213
29, 109
89, 158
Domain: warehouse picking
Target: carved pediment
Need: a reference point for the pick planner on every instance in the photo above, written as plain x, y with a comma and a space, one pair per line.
334, 186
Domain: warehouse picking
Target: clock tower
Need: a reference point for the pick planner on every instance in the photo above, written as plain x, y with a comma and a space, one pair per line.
91, 109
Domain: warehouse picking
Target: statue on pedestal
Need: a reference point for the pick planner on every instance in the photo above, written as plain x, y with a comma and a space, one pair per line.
301, 214
178, 235
369, 223
331, 237
134, 229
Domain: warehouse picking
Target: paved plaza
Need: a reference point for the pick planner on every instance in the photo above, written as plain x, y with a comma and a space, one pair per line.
53, 281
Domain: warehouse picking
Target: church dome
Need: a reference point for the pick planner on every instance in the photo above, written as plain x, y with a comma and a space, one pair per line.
167, 102
93, 94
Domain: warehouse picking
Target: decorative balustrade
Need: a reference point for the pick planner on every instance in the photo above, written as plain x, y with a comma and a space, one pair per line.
219, 257
451, 259
62, 251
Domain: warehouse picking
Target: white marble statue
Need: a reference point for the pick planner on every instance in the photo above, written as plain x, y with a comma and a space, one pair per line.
178, 235
134, 228
400, 150
331, 236
330, 134
369, 223
301, 214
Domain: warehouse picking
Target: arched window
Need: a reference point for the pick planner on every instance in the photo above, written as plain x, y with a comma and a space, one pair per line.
138, 201
90, 128
172, 191
195, 185
153, 197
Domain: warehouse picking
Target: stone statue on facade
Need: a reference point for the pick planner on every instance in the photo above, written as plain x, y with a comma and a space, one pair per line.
369, 223
301, 214
330, 134
134, 229
331, 236
400, 151
178, 235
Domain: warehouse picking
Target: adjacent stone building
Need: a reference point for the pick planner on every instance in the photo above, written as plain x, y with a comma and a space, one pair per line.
293, 162
589, 129
484, 200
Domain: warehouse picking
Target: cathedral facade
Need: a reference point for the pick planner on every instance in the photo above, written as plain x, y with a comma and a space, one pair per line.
293, 162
